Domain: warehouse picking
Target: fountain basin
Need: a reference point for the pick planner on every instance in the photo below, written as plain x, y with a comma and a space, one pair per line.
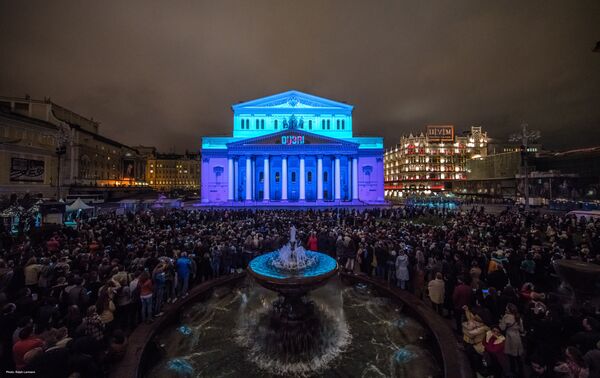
292, 282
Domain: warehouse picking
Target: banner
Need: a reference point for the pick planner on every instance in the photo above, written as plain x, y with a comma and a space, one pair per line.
128, 169
26, 170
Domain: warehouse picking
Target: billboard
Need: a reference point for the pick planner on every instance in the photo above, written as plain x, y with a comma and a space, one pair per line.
440, 133
128, 169
28, 170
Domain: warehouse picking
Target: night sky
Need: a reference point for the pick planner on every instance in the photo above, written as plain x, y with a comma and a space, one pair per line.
165, 73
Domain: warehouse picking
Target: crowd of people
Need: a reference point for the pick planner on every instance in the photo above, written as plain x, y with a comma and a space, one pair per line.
70, 298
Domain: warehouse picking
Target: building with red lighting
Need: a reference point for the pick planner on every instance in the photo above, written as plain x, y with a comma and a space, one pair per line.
432, 161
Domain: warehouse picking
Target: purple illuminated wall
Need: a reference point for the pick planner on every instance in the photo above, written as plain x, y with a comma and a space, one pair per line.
370, 179
214, 178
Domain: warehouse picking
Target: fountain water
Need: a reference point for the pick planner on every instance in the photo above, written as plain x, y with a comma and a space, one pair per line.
295, 327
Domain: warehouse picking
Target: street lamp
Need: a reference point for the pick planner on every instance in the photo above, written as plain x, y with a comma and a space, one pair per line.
525, 137
60, 151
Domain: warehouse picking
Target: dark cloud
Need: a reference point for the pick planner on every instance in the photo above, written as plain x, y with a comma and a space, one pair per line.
165, 73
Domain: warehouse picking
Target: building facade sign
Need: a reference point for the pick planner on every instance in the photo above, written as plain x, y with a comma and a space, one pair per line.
436, 133
28, 170
292, 139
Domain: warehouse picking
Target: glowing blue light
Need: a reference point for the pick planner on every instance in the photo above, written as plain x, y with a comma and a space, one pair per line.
400, 323
403, 355
262, 265
185, 330
180, 367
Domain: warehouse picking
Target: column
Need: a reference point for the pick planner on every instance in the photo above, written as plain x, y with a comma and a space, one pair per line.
266, 179
355, 178
284, 178
338, 192
302, 179
332, 177
230, 179
319, 178
236, 178
253, 179
248, 179
349, 178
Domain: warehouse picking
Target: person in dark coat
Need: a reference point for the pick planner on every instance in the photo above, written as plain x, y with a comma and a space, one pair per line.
461, 297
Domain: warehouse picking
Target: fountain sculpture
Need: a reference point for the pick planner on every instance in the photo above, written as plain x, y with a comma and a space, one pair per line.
295, 326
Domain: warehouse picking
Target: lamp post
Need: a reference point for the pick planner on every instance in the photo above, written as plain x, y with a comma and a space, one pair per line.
524, 137
60, 151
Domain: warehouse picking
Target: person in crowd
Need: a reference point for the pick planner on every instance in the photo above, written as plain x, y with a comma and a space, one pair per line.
92, 324
462, 296
588, 337
512, 324
184, 269
574, 365
402, 273
494, 356
146, 291
27, 342
436, 289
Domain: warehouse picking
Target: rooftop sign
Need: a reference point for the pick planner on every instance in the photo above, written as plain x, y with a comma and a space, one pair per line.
440, 133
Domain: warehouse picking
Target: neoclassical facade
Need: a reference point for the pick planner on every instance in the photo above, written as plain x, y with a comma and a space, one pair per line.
292, 148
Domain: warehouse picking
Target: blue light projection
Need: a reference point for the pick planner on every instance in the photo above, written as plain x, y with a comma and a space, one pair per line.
403, 355
290, 126
185, 330
181, 367
263, 266
400, 323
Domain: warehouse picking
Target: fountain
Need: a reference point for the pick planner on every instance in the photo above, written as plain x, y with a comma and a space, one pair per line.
275, 329
295, 326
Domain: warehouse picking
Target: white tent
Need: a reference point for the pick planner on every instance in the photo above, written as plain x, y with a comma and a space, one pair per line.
78, 205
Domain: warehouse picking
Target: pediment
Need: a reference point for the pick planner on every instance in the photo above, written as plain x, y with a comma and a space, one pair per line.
291, 100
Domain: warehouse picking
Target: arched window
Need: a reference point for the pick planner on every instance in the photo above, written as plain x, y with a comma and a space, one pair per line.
328, 124
309, 176
338, 124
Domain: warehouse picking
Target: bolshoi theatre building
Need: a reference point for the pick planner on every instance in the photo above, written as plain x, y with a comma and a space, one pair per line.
292, 149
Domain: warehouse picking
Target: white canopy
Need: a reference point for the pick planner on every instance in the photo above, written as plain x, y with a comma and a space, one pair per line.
78, 205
